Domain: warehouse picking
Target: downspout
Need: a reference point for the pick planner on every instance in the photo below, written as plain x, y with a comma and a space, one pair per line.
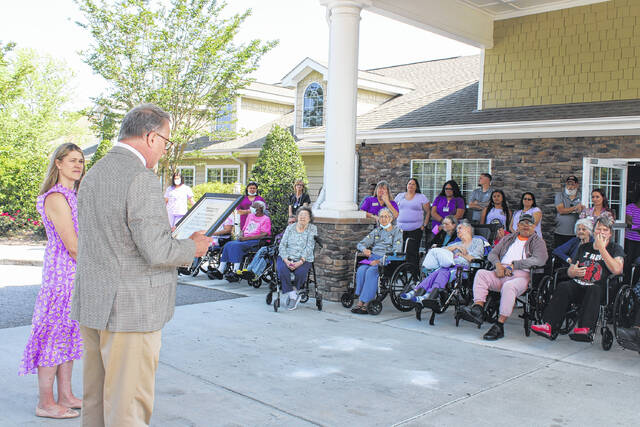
356, 174
244, 167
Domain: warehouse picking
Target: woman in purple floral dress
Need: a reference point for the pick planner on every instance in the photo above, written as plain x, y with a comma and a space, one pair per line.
55, 340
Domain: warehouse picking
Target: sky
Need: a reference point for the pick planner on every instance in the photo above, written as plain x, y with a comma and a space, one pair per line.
49, 27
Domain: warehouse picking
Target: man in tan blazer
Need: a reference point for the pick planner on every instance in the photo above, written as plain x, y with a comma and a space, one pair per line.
125, 283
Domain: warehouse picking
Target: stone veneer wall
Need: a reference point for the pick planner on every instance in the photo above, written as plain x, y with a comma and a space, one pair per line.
517, 165
334, 261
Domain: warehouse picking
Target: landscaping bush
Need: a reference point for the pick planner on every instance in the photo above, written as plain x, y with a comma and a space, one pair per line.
20, 223
279, 165
211, 187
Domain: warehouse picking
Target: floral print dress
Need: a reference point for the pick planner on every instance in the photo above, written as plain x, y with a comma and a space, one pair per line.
55, 338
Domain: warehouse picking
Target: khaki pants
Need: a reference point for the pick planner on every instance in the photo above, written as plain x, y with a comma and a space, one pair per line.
119, 371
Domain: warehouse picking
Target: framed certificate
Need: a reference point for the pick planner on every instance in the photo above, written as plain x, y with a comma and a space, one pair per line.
207, 214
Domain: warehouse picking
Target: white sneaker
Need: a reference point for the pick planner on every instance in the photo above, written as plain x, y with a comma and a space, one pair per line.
284, 301
294, 304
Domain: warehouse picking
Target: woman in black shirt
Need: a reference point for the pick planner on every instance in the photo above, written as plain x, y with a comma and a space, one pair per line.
299, 198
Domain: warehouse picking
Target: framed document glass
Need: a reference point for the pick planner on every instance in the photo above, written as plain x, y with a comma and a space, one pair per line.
207, 214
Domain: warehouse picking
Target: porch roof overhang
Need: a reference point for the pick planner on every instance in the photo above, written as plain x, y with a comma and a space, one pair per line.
467, 21
599, 126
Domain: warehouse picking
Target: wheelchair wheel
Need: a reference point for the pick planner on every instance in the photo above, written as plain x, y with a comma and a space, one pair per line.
527, 324
607, 339
347, 299
623, 309
305, 297
276, 304
375, 307
403, 280
184, 271
319, 302
541, 298
269, 298
256, 283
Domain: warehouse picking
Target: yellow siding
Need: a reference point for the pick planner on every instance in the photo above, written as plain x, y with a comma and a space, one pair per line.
582, 54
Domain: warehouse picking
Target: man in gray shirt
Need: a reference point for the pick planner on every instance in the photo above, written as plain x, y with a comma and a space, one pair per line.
568, 207
480, 197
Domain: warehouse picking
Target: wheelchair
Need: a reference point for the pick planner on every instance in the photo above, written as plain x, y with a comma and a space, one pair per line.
275, 286
625, 306
458, 292
622, 303
389, 283
528, 300
216, 252
205, 263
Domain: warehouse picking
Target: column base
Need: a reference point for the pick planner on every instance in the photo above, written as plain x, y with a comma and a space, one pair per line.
334, 261
339, 213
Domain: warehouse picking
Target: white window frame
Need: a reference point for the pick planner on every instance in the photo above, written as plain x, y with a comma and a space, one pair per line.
449, 168
192, 168
323, 105
221, 167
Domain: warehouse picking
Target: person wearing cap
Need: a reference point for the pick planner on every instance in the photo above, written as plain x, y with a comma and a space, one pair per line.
568, 206
593, 264
567, 251
512, 257
480, 197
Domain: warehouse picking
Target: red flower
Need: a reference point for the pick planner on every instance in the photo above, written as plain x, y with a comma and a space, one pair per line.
18, 211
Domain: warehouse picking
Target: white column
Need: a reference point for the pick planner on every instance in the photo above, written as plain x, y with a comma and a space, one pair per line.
339, 151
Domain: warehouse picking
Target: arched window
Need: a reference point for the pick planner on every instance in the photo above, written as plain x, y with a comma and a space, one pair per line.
313, 106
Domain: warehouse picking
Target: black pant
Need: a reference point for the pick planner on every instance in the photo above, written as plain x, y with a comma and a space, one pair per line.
570, 292
560, 239
413, 247
632, 252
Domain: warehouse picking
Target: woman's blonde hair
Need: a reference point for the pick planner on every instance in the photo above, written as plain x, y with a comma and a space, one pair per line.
384, 184
53, 173
300, 181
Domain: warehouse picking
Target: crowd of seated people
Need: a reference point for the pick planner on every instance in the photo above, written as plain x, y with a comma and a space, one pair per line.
410, 219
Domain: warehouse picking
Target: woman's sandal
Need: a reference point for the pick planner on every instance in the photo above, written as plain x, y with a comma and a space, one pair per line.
69, 413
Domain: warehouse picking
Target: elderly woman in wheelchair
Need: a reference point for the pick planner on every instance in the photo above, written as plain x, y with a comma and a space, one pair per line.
588, 273
383, 239
441, 264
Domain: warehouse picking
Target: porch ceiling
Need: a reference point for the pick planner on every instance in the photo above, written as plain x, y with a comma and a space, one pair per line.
468, 21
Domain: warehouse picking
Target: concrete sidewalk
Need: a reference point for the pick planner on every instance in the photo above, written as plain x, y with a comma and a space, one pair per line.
21, 254
237, 363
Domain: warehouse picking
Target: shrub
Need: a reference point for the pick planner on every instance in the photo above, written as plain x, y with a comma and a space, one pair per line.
278, 166
20, 222
211, 187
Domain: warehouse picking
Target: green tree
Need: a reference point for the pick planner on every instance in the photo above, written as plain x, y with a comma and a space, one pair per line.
278, 166
181, 58
32, 120
104, 146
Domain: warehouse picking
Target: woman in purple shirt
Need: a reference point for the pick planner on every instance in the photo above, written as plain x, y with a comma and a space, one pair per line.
414, 211
250, 196
448, 202
382, 199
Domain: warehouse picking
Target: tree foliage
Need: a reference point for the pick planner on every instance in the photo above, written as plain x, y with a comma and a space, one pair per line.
278, 166
180, 57
32, 120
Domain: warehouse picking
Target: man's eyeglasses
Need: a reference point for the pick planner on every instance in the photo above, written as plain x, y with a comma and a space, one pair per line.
167, 145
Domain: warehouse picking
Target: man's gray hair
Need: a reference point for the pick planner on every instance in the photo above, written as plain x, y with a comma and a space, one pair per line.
142, 120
